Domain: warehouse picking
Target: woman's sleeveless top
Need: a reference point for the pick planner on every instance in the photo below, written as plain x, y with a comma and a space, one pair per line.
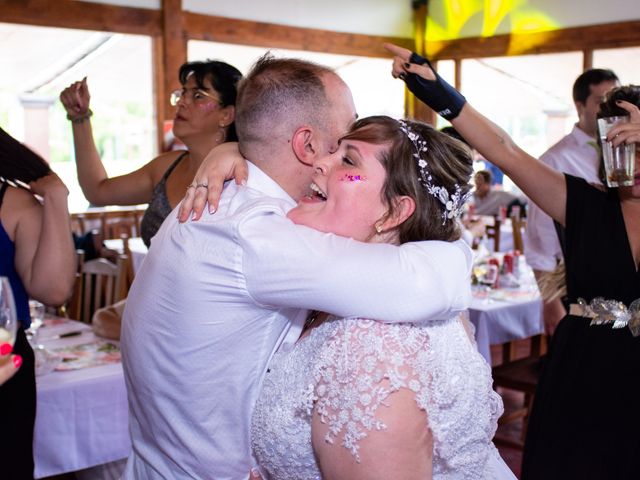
159, 207
8, 269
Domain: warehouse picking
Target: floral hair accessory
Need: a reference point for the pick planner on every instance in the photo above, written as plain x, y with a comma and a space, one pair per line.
453, 202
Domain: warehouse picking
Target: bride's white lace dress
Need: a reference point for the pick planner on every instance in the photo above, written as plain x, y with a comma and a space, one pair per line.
346, 368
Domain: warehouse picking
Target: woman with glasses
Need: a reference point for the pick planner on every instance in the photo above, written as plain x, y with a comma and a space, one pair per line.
204, 118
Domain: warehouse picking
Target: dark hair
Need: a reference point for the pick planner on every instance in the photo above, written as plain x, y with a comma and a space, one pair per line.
449, 162
280, 92
608, 108
224, 79
18, 162
452, 132
486, 175
593, 76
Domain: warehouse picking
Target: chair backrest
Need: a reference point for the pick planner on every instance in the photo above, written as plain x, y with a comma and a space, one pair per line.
493, 232
111, 223
126, 250
518, 225
103, 283
73, 306
118, 226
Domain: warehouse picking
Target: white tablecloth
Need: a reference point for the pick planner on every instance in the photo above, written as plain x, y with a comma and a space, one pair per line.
503, 319
82, 415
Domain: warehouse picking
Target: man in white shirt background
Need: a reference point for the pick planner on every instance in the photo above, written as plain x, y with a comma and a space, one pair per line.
487, 199
215, 298
576, 154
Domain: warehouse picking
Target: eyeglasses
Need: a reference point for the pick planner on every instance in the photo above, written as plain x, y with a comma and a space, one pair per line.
194, 95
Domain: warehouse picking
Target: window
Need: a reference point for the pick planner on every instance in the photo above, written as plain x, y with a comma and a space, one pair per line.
620, 60
529, 96
118, 70
374, 91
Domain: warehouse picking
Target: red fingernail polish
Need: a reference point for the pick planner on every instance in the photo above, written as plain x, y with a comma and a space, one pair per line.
17, 361
5, 349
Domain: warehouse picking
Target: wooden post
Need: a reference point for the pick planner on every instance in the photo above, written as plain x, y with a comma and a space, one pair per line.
414, 108
587, 59
173, 51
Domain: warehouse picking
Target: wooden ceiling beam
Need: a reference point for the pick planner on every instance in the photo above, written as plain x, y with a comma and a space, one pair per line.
269, 35
610, 35
82, 15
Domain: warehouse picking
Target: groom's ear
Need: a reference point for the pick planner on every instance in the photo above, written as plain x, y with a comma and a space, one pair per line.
304, 144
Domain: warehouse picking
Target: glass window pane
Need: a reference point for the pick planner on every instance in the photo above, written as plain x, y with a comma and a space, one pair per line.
529, 96
374, 91
39, 62
620, 60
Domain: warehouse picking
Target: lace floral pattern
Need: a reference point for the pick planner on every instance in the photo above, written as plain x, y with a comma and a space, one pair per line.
345, 370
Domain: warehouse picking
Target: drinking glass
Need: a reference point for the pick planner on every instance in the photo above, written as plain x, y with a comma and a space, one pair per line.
620, 161
36, 311
8, 316
489, 280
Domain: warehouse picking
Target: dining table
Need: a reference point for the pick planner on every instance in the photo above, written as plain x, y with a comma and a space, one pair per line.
501, 315
136, 246
82, 413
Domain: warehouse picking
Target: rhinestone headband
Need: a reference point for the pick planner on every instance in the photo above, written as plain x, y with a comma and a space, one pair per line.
453, 203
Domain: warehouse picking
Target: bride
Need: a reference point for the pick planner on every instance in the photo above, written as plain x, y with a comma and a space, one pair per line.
361, 399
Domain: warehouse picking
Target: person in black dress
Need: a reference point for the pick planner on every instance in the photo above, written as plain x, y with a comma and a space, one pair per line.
38, 258
584, 423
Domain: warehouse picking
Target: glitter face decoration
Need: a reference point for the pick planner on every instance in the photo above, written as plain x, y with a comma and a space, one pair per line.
352, 178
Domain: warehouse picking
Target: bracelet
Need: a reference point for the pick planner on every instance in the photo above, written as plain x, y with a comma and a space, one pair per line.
81, 117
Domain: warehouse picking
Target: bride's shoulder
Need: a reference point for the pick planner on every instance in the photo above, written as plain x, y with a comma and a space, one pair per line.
355, 334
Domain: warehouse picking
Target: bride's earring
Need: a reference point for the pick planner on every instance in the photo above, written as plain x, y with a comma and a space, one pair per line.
378, 228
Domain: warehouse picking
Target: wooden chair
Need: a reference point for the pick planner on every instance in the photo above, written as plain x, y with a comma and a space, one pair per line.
493, 232
115, 227
72, 308
103, 283
129, 272
520, 375
110, 222
519, 225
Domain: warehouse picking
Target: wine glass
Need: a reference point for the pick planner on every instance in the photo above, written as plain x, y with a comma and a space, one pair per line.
489, 280
36, 312
8, 316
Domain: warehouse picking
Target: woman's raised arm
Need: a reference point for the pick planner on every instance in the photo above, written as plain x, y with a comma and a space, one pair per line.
98, 188
542, 184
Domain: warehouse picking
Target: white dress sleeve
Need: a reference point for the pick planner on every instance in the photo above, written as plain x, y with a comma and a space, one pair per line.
365, 362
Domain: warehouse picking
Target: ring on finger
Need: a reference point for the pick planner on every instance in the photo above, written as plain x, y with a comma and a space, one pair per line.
191, 186
202, 185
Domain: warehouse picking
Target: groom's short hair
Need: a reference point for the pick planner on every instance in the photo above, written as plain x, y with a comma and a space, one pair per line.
277, 96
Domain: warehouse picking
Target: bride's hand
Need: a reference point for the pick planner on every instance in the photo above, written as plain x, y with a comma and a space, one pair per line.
222, 163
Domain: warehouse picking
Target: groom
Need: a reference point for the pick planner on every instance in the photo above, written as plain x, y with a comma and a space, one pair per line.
214, 299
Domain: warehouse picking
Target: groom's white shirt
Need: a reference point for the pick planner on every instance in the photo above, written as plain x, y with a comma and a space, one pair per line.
214, 299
